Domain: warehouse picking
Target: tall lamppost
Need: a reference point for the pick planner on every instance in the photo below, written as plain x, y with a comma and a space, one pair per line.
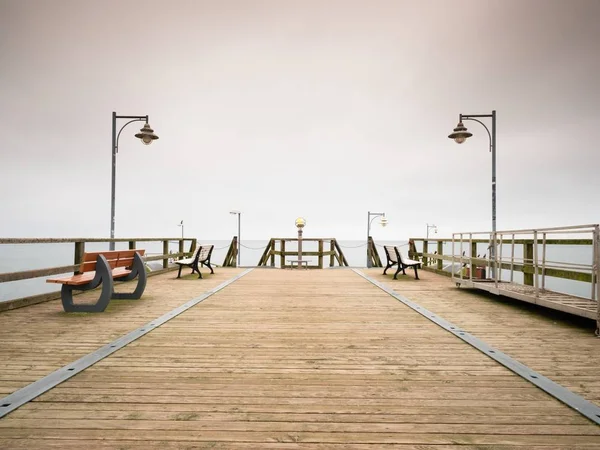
431, 227
383, 223
300, 223
239, 237
181, 225
146, 135
460, 135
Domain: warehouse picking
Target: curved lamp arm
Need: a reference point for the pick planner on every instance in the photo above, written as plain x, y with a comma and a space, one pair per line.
484, 126
141, 119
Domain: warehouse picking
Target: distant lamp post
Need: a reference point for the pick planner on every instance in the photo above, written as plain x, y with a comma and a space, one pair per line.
383, 222
181, 225
239, 237
300, 223
460, 135
431, 227
146, 135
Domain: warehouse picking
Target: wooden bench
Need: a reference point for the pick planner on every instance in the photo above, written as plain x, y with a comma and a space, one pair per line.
298, 263
200, 257
102, 269
394, 257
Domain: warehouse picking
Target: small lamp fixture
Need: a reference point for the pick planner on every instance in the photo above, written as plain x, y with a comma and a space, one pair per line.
460, 133
146, 135
300, 222
384, 221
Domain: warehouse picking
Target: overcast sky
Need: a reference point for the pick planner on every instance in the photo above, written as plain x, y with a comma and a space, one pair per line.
279, 109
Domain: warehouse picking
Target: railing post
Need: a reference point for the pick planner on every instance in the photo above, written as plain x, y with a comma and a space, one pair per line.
528, 263
131, 245
166, 254
181, 248
440, 250
425, 250
78, 257
272, 255
282, 254
332, 253
320, 253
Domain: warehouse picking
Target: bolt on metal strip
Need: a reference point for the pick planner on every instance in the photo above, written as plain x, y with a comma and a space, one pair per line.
35, 389
578, 403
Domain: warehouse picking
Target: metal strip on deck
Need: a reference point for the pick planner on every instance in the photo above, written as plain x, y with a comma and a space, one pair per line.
33, 390
578, 403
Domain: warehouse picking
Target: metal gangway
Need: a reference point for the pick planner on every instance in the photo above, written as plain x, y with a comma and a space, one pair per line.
557, 268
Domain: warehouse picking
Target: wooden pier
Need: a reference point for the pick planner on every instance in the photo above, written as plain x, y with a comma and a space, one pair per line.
299, 359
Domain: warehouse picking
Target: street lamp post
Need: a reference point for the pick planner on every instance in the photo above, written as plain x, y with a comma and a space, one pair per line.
239, 237
181, 225
369, 221
460, 135
431, 227
146, 135
300, 223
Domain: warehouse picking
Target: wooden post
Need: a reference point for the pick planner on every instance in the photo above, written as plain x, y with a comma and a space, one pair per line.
79, 251
440, 250
180, 247
272, 253
166, 254
425, 250
131, 245
283, 254
331, 256
320, 253
528, 263
234, 251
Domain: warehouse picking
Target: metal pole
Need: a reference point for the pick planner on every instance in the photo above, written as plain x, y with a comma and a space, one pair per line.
493, 248
368, 232
239, 239
299, 247
114, 173
115, 146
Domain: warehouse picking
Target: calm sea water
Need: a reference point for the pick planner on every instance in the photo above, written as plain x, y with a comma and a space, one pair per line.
15, 258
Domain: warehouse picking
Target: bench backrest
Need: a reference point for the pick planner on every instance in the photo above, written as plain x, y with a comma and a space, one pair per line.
205, 252
115, 258
390, 252
196, 251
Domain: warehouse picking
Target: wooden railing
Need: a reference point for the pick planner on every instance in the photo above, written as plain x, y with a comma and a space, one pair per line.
277, 248
79, 248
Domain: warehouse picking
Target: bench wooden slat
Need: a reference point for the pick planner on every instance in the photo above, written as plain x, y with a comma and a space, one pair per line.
78, 280
115, 258
391, 253
74, 280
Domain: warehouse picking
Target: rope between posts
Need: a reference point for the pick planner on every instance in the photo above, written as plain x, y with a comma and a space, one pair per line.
253, 248
350, 246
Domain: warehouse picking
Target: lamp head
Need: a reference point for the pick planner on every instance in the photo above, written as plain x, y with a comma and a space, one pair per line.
383, 222
300, 222
460, 133
146, 135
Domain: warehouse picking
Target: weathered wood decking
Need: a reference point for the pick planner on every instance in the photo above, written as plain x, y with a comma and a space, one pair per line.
299, 359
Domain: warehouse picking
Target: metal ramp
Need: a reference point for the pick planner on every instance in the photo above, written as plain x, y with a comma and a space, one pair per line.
536, 256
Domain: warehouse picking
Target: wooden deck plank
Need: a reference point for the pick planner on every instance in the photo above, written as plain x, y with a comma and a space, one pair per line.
296, 359
560, 346
42, 338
